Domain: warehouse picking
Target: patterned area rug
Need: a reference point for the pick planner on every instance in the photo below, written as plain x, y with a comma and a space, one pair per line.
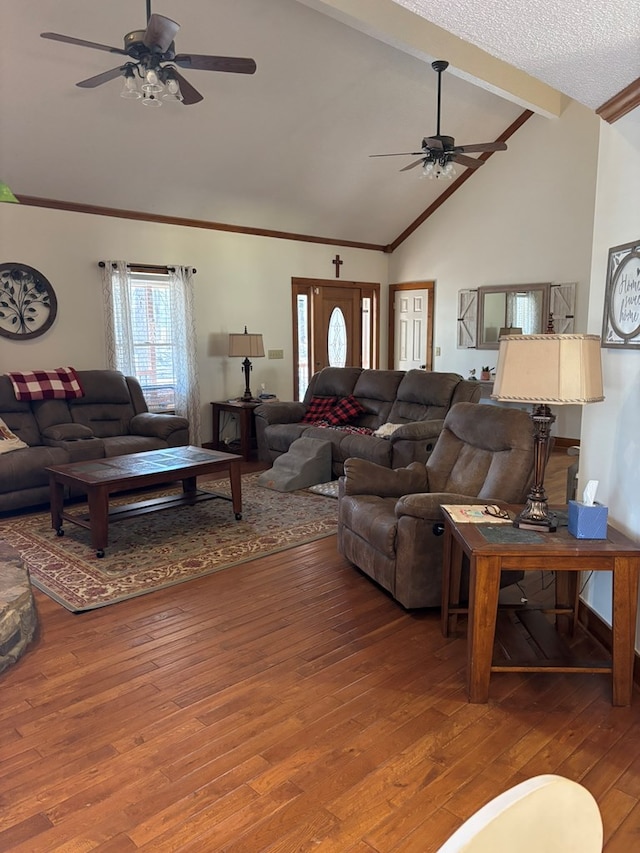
165, 548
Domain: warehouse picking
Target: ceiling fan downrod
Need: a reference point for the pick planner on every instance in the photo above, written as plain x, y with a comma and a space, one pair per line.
439, 66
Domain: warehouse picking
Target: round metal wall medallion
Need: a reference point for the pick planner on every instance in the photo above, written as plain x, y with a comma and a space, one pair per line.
28, 305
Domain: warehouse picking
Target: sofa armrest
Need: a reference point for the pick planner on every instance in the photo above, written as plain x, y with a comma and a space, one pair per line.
428, 505
280, 413
417, 431
156, 425
362, 477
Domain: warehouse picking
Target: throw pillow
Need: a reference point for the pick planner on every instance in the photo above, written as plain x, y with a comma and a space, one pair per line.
318, 409
347, 409
59, 384
9, 440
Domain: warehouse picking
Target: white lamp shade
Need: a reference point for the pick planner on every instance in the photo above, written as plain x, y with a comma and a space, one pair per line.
246, 345
558, 369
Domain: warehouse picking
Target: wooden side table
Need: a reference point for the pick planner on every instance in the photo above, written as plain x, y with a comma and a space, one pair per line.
528, 551
244, 413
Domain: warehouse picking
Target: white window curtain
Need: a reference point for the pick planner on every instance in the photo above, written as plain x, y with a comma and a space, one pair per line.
117, 292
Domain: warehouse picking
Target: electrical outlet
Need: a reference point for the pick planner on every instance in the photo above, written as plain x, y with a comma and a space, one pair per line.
275, 353
437, 350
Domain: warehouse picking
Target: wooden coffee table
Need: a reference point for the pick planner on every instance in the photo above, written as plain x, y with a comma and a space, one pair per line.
98, 478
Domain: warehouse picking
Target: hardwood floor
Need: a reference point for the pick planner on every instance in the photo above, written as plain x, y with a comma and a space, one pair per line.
284, 705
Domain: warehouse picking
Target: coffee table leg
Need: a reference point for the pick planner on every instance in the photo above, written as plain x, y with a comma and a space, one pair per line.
56, 499
235, 470
98, 499
484, 588
190, 485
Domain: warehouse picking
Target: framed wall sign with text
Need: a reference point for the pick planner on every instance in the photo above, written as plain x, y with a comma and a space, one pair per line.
621, 320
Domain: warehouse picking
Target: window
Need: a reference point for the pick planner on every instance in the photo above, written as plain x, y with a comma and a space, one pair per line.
151, 335
153, 346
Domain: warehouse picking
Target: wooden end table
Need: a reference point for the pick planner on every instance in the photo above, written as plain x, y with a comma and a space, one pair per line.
98, 478
244, 411
515, 549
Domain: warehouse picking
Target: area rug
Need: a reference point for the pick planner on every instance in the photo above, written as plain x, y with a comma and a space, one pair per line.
165, 548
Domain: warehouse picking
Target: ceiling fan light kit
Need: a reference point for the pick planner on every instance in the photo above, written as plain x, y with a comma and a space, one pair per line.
153, 60
439, 152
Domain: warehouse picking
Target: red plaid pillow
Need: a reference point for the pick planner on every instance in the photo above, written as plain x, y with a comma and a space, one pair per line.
347, 409
318, 409
61, 383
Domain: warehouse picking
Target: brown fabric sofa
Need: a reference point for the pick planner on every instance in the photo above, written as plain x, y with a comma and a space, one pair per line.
416, 399
111, 419
390, 521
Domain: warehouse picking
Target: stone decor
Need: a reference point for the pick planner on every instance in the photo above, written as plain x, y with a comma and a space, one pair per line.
18, 617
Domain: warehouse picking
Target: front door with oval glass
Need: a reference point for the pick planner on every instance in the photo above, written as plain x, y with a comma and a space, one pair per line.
335, 325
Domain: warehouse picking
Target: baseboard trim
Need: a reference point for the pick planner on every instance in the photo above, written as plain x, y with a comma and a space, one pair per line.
559, 441
599, 630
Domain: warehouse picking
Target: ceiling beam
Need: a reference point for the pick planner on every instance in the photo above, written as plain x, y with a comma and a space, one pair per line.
404, 30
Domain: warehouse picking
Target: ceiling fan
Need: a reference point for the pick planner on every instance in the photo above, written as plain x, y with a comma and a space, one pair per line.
153, 59
439, 152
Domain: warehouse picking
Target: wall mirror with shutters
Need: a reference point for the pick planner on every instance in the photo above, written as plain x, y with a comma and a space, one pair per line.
484, 312
524, 307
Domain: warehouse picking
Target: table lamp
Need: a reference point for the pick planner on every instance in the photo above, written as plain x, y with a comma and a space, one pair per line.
563, 370
246, 346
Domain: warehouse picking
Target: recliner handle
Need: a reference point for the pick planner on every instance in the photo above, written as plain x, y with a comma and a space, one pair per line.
438, 528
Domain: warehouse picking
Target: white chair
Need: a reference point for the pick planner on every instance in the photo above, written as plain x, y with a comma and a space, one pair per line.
545, 814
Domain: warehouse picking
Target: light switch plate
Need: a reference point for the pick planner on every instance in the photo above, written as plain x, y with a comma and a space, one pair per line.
275, 353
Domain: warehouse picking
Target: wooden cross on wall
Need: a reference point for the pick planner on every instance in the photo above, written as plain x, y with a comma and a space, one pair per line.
338, 263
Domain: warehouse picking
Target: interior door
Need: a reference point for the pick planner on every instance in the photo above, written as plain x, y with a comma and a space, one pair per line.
336, 327
411, 325
410, 338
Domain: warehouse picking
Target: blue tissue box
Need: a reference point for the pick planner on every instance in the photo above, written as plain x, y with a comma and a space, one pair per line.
587, 522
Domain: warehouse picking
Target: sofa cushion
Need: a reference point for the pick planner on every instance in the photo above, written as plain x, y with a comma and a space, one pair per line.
318, 409
8, 440
423, 395
345, 411
61, 383
67, 432
333, 382
25, 469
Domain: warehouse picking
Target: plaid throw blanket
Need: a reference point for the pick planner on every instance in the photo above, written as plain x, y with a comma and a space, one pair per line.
61, 383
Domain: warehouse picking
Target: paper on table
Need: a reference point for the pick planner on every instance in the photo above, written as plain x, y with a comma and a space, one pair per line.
473, 514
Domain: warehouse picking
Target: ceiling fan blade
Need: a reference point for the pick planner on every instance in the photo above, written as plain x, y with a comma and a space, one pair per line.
413, 165
82, 42
190, 95
482, 146
201, 62
160, 32
401, 154
469, 162
99, 79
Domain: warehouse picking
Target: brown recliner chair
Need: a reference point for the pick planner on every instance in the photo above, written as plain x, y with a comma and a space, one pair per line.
390, 521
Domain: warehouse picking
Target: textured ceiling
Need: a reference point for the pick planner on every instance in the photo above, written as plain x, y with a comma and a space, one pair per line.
287, 148
587, 49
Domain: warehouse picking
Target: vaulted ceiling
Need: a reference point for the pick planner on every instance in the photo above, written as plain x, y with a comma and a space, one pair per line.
288, 148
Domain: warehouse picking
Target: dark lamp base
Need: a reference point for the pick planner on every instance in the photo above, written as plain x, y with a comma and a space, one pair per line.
536, 515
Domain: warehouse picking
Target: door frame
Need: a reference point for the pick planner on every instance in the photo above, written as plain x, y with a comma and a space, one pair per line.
430, 287
305, 286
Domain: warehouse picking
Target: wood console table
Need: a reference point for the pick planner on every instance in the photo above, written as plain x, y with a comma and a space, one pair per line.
560, 552
244, 413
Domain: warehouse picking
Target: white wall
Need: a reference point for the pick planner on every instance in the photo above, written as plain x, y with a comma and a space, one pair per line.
241, 280
526, 216
610, 445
